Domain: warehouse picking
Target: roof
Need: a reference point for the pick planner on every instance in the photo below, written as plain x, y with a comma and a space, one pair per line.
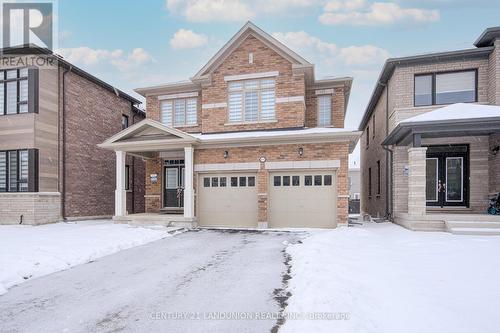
151, 135
464, 119
250, 29
457, 111
392, 63
487, 38
35, 49
299, 64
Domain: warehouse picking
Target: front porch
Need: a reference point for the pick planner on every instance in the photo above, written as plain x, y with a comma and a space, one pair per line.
169, 195
445, 170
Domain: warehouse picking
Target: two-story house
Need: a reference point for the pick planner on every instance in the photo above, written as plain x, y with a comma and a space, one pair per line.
52, 115
251, 140
431, 136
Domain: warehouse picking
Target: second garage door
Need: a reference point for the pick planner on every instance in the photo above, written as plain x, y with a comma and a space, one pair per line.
305, 199
227, 200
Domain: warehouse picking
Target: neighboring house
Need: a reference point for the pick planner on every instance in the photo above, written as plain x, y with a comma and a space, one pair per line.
354, 190
51, 118
251, 140
431, 132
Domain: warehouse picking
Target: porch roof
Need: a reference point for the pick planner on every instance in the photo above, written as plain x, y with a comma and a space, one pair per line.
150, 136
452, 120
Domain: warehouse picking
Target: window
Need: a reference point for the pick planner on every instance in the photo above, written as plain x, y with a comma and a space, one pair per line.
378, 177
179, 112
369, 182
19, 170
243, 181
286, 180
308, 180
222, 181
367, 136
215, 182
327, 180
127, 177
18, 91
124, 122
206, 182
317, 180
277, 180
446, 88
251, 181
324, 110
234, 181
373, 126
295, 180
251, 100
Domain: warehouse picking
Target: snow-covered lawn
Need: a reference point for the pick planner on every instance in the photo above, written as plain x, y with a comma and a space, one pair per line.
32, 251
390, 279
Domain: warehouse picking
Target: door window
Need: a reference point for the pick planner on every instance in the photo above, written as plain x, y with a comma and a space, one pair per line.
454, 179
171, 178
431, 180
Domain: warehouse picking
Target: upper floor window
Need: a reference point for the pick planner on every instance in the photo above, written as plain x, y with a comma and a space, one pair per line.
18, 170
179, 112
324, 110
446, 88
367, 136
14, 91
124, 121
251, 100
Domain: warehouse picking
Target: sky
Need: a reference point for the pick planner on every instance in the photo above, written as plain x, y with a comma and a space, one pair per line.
132, 44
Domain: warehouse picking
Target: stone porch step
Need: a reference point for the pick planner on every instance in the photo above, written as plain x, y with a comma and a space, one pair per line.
476, 231
473, 227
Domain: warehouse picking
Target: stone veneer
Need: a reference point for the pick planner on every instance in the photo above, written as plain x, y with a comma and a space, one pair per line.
31, 208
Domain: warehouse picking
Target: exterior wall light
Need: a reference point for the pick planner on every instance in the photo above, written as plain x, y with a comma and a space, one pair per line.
226, 153
301, 151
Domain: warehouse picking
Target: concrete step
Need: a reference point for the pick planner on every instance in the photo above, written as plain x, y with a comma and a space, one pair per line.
476, 231
473, 224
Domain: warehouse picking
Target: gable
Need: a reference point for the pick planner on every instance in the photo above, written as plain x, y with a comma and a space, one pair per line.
147, 133
250, 29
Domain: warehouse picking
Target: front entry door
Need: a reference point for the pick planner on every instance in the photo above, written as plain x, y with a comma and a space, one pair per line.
447, 180
174, 187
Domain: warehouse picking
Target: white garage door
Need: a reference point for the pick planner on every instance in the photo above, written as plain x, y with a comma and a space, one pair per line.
227, 200
305, 199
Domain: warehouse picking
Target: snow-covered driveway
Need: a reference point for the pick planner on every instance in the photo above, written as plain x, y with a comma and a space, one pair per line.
197, 273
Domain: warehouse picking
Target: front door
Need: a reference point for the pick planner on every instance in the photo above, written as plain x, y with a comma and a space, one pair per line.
173, 194
447, 178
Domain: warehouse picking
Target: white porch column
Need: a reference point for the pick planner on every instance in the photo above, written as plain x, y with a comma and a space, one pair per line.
120, 193
188, 182
416, 181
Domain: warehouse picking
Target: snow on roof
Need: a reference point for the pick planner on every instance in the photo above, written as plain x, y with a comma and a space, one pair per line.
278, 133
458, 111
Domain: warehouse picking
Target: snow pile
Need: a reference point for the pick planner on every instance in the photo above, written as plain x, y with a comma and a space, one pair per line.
457, 111
32, 251
390, 279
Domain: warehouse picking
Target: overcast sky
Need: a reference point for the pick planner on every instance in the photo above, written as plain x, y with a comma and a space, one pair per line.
134, 44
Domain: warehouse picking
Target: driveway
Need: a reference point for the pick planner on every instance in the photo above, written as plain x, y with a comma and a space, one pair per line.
199, 273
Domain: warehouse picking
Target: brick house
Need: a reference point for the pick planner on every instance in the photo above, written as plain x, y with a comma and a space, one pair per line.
52, 115
431, 134
251, 140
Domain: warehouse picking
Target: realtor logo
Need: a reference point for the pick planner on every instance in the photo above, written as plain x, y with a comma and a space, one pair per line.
28, 23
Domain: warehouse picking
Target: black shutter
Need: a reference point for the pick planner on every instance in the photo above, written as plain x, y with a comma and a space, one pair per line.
32, 170
33, 90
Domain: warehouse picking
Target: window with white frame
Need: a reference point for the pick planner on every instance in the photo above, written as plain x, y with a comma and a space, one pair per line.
251, 101
179, 112
324, 110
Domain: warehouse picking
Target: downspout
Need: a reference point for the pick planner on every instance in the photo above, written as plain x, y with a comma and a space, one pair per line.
63, 191
133, 163
388, 161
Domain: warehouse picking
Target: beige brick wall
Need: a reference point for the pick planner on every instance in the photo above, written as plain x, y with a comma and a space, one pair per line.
494, 164
35, 208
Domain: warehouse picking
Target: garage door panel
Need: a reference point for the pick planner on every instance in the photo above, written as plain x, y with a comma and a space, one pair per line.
308, 200
228, 200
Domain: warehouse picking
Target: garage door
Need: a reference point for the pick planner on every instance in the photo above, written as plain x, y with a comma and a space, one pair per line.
227, 200
302, 199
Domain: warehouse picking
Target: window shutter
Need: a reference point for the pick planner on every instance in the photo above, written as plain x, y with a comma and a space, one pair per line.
33, 170
33, 90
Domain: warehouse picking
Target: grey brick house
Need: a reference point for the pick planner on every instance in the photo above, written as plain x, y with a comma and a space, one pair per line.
431, 135
52, 116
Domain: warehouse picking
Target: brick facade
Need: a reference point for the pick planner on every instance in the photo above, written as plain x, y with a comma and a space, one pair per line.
90, 171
